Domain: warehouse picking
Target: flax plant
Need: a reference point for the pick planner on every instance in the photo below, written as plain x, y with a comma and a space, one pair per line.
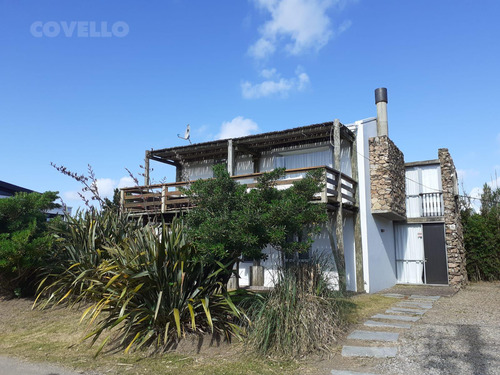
146, 288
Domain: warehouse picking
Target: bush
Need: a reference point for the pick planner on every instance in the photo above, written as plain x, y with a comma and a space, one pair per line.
146, 285
25, 242
301, 315
482, 237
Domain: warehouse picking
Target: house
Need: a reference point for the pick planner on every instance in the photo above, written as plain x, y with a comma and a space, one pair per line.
9, 190
393, 222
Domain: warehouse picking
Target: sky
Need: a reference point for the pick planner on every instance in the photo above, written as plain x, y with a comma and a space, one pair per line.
99, 82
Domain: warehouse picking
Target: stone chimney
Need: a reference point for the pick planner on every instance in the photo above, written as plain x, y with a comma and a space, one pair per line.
387, 168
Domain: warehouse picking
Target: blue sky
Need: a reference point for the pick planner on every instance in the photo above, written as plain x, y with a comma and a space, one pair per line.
237, 68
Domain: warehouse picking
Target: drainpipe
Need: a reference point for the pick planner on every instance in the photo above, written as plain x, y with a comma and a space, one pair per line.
381, 102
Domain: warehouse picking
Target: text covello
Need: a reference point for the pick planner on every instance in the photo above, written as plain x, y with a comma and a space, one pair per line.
79, 29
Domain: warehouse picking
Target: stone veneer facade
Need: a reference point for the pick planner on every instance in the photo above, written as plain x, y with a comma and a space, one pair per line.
457, 274
387, 176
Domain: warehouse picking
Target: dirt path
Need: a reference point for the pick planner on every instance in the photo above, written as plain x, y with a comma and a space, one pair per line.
13, 366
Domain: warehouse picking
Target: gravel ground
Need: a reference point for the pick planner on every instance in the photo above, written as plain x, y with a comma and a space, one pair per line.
459, 335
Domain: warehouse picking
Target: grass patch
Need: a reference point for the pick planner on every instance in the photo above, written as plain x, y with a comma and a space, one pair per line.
54, 336
368, 305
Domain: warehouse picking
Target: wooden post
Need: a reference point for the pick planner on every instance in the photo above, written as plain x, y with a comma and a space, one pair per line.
164, 190
339, 215
230, 157
146, 169
256, 164
324, 192
336, 144
339, 218
122, 201
358, 245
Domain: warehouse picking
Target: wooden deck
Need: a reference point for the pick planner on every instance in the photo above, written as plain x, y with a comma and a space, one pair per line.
168, 198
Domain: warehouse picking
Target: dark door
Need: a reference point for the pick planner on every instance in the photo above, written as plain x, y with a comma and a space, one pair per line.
436, 267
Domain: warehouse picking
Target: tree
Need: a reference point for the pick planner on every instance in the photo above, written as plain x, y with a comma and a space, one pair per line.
482, 236
228, 221
24, 238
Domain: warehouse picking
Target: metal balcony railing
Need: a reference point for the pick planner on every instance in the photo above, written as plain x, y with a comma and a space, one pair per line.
425, 205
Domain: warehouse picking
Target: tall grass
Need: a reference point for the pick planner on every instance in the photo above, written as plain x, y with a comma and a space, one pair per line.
146, 285
301, 315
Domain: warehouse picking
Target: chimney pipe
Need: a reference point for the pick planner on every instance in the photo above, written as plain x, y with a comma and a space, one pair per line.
381, 102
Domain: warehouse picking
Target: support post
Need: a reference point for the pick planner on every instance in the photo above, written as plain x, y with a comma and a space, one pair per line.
339, 215
230, 157
336, 145
122, 201
146, 169
358, 244
324, 192
256, 164
164, 197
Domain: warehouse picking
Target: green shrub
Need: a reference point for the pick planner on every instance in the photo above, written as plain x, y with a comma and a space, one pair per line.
81, 243
25, 242
482, 237
149, 288
301, 315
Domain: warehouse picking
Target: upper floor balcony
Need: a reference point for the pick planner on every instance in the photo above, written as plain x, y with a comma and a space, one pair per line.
169, 197
425, 205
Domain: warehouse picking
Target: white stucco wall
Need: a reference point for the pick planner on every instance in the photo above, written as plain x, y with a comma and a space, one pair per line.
379, 263
321, 250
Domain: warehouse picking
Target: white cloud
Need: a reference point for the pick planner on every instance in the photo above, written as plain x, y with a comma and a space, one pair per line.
125, 182
466, 174
237, 127
261, 49
476, 192
303, 25
105, 186
268, 73
343, 27
275, 85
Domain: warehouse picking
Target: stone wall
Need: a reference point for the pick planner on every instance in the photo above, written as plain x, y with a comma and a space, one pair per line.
387, 175
457, 274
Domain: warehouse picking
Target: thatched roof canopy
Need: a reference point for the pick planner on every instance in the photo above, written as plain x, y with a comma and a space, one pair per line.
252, 144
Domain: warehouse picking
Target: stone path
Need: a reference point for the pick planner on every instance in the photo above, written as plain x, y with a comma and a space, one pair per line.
381, 337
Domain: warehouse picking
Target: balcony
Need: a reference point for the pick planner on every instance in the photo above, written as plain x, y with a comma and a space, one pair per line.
168, 198
425, 205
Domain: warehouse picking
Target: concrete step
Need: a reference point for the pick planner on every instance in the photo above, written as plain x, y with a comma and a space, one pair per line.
374, 323
415, 305
369, 351
418, 297
396, 309
374, 336
393, 295
396, 317
343, 372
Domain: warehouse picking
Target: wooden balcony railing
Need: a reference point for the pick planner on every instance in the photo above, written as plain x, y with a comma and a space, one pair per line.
164, 198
